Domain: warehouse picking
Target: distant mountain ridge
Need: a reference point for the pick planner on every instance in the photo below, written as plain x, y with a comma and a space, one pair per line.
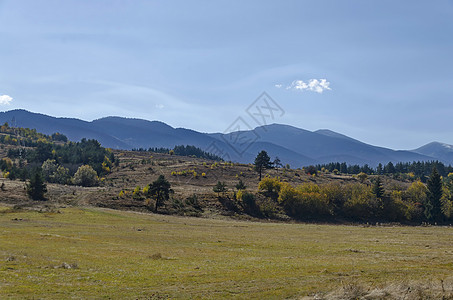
294, 146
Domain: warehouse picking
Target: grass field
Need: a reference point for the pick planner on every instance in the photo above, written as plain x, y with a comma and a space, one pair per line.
100, 253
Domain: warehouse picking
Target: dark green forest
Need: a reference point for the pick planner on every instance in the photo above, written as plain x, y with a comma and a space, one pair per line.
182, 150
409, 170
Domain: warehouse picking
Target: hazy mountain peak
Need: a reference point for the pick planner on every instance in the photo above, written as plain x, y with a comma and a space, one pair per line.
331, 133
275, 127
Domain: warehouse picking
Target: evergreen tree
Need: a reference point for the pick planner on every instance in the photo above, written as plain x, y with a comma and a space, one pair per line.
36, 188
160, 190
378, 189
343, 168
240, 185
389, 168
433, 206
277, 163
220, 187
262, 162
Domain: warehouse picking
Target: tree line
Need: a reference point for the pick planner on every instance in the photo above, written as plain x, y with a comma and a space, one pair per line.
365, 202
419, 170
27, 137
79, 163
71, 155
182, 150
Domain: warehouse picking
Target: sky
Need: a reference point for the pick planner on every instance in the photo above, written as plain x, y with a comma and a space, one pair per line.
378, 71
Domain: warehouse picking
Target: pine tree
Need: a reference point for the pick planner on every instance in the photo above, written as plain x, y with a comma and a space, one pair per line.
37, 188
277, 163
220, 187
160, 190
433, 206
378, 189
389, 168
240, 185
379, 169
262, 162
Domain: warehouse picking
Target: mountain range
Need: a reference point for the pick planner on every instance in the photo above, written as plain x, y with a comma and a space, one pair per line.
294, 146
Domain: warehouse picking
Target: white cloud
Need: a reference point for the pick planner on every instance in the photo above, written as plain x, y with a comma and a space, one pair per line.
5, 100
313, 85
159, 106
278, 85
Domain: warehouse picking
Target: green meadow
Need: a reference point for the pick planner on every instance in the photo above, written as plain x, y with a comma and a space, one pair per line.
100, 253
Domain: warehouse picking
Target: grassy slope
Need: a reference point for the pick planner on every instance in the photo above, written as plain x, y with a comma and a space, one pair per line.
132, 255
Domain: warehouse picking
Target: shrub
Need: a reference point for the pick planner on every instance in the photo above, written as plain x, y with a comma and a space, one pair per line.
61, 175
311, 170
220, 187
193, 202
362, 177
137, 193
270, 187
305, 201
86, 176
249, 203
49, 167
336, 196
362, 204
240, 185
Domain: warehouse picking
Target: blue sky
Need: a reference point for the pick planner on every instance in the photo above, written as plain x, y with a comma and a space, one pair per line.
387, 65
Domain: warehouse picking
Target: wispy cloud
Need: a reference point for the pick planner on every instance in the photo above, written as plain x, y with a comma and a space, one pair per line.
312, 85
5, 100
160, 106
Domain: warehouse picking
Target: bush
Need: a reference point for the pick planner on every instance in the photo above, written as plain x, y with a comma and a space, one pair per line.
311, 170
220, 187
336, 196
86, 176
49, 167
249, 203
193, 202
137, 194
305, 201
61, 175
270, 187
361, 204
